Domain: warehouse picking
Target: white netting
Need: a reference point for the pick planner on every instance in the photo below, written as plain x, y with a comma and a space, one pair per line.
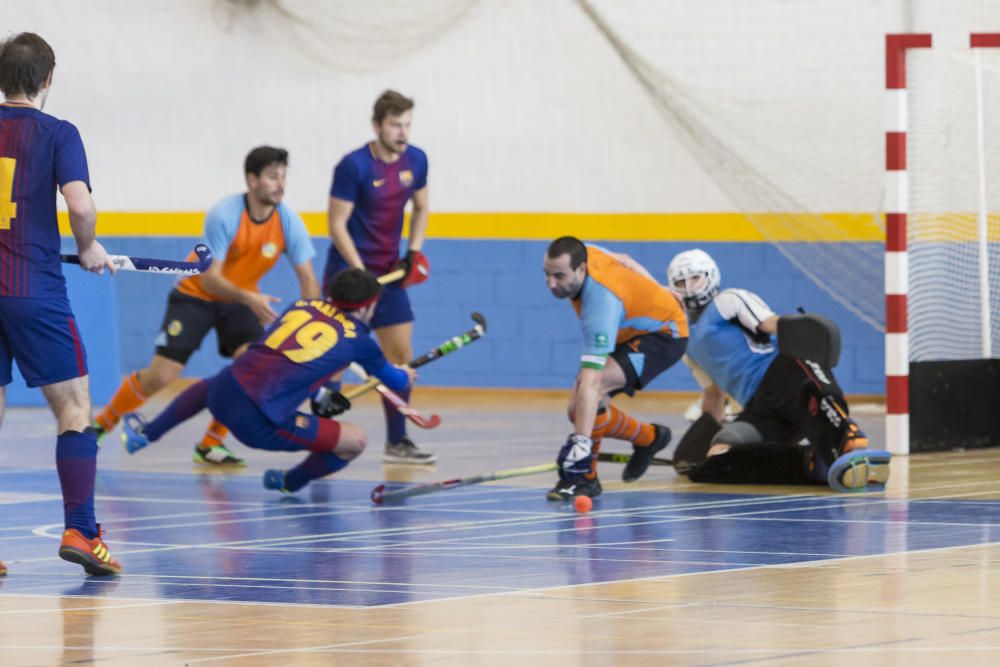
945, 297
349, 35
811, 183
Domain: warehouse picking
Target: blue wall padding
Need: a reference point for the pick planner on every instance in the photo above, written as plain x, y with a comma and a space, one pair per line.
533, 339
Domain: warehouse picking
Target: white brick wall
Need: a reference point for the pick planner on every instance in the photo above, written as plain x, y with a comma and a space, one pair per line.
522, 107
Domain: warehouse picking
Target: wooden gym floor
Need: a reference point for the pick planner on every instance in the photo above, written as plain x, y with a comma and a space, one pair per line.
219, 571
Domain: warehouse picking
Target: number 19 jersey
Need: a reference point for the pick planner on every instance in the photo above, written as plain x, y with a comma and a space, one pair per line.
298, 353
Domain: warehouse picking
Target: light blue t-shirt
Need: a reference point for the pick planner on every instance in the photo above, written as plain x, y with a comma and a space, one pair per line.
727, 344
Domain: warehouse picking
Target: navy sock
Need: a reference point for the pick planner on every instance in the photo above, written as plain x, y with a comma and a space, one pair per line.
395, 422
332, 385
188, 403
316, 465
76, 463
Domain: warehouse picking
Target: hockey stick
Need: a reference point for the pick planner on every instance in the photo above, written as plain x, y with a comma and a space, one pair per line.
625, 458
445, 348
126, 263
380, 496
398, 402
391, 277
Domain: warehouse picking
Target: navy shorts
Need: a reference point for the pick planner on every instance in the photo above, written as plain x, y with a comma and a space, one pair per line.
40, 334
393, 308
229, 404
646, 356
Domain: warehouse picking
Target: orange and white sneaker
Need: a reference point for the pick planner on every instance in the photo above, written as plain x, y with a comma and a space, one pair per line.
93, 554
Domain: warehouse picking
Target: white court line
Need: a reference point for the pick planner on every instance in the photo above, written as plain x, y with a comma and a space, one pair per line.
16, 497
304, 649
54, 530
173, 600
341, 582
416, 530
533, 592
106, 607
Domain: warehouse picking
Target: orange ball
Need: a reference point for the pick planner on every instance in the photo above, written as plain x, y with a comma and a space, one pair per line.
583, 504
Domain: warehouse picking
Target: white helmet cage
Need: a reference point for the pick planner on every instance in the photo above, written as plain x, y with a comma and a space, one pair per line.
700, 276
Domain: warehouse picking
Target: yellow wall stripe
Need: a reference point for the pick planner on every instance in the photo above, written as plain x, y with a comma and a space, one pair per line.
684, 227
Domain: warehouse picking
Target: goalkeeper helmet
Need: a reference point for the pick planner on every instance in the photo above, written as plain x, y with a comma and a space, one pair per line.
694, 277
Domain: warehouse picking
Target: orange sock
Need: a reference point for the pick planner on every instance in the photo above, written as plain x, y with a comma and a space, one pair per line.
600, 426
595, 450
623, 427
128, 398
214, 435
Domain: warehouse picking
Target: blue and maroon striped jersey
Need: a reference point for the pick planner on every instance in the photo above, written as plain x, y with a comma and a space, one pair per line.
379, 192
301, 350
38, 153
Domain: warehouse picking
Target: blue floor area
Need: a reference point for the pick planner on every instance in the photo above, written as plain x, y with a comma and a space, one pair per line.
222, 538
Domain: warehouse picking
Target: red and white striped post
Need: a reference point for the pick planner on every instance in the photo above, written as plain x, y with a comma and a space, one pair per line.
897, 347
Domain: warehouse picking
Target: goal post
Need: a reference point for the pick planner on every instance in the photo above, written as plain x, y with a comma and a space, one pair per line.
942, 152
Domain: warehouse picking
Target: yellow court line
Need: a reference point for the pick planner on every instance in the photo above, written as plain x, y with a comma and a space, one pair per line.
685, 227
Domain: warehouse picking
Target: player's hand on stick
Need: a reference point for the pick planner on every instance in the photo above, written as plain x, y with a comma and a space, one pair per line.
329, 404
94, 258
576, 456
417, 268
260, 304
411, 374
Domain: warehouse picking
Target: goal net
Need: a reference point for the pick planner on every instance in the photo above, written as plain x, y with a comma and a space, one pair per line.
953, 162
943, 157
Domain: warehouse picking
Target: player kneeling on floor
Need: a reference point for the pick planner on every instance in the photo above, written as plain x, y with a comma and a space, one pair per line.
258, 395
788, 392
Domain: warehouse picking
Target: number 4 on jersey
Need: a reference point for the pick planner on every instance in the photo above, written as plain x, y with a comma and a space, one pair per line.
8, 209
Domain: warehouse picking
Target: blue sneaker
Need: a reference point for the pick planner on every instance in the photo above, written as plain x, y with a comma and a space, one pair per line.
134, 432
275, 480
860, 470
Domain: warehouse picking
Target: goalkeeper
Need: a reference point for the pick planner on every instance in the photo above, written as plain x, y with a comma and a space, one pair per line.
788, 392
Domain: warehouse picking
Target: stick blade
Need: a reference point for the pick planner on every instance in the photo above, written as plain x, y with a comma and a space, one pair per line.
377, 493
204, 257
480, 321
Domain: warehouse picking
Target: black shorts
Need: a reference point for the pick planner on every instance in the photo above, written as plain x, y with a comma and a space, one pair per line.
646, 356
779, 408
189, 319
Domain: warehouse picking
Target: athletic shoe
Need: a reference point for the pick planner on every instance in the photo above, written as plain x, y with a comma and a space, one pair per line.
860, 470
405, 451
134, 432
643, 456
93, 554
275, 480
216, 455
567, 489
3, 569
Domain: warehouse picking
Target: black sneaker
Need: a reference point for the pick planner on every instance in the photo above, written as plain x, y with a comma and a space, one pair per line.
642, 456
216, 456
405, 451
569, 489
